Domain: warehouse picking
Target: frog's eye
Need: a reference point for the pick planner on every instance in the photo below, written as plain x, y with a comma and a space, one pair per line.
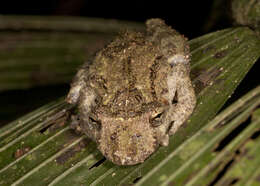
156, 120
96, 123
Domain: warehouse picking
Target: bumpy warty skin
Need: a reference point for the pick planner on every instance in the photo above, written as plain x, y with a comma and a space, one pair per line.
125, 95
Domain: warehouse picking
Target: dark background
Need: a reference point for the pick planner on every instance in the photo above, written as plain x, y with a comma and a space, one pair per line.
188, 17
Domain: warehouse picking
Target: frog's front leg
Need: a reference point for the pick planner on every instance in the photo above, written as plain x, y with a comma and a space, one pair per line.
88, 122
78, 83
175, 49
85, 97
180, 87
179, 112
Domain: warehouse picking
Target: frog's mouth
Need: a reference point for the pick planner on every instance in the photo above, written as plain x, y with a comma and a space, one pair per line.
127, 141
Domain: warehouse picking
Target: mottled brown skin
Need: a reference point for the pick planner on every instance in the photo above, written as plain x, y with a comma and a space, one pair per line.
125, 96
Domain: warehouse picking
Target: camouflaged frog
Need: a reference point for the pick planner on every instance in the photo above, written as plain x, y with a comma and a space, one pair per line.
135, 93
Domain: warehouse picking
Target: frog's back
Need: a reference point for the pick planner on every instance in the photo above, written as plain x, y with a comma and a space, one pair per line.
129, 68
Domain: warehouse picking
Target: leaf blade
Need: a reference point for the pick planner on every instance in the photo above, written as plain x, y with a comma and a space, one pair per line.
213, 87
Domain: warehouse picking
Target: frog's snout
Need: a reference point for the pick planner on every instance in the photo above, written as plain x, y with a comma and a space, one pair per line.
127, 142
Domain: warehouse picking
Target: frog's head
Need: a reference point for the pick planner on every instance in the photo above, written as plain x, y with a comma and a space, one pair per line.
129, 141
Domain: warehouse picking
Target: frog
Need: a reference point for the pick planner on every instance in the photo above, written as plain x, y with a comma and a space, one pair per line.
135, 93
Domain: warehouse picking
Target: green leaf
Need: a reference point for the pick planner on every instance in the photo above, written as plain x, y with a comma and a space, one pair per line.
204, 155
246, 13
40, 149
48, 50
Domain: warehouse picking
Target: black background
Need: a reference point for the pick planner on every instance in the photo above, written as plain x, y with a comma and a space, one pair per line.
186, 16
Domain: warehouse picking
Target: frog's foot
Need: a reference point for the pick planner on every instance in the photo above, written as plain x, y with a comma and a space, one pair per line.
91, 127
175, 126
177, 120
180, 112
89, 123
75, 124
162, 133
